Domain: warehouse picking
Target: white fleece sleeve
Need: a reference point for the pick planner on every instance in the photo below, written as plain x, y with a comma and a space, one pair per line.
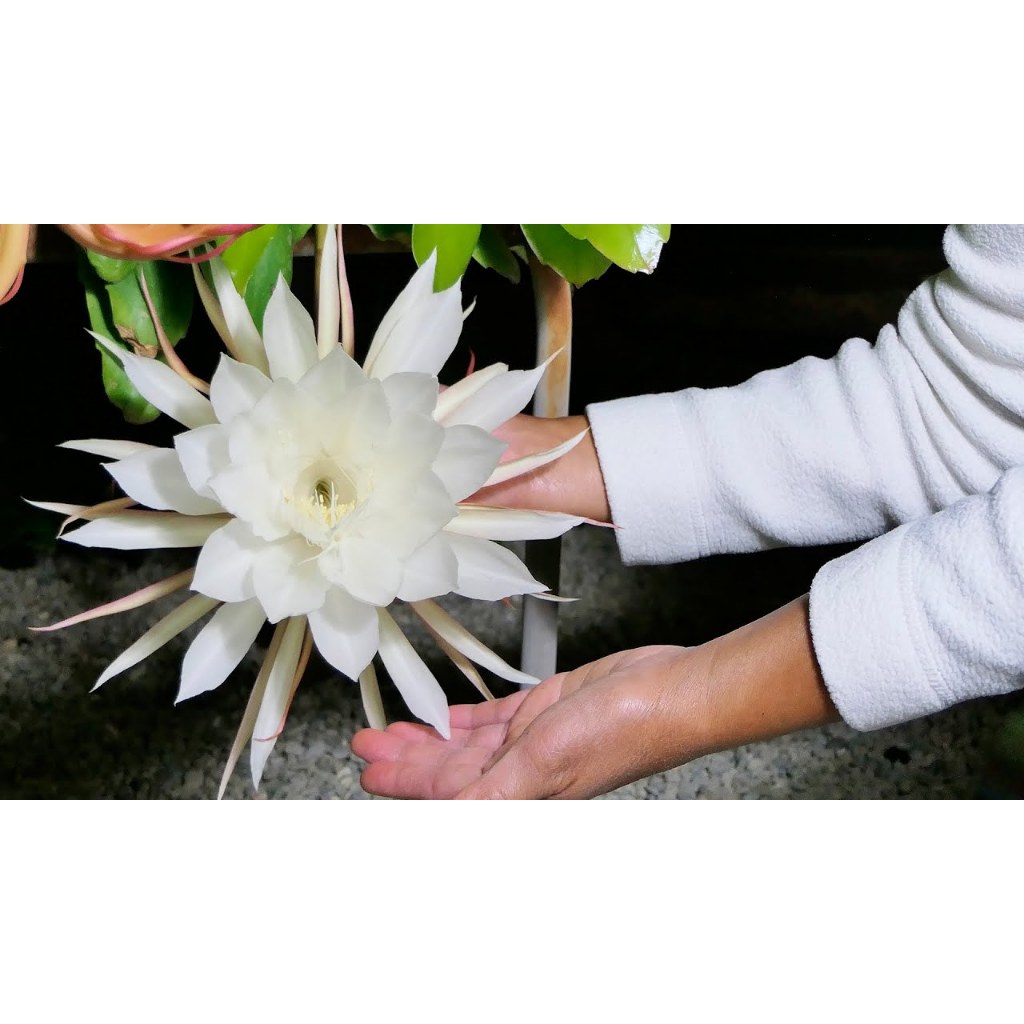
840, 449
927, 616
845, 449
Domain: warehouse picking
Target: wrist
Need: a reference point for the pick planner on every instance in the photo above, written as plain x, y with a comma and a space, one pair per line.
759, 682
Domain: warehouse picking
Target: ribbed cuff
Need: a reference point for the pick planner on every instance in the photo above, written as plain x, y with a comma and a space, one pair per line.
876, 671
654, 483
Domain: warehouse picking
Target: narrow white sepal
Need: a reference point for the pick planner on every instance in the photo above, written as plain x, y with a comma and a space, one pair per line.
489, 572
328, 314
423, 334
369, 690
156, 636
247, 342
510, 523
499, 399
107, 448
451, 398
516, 467
252, 707
416, 683
276, 697
133, 531
219, 647
161, 386
465, 643
136, 599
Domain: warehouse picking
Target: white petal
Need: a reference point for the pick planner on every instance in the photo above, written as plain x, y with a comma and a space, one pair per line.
225, 565
156, 479
131, 531
332, 377
367, 570
465, 643
499, 399
451, 398
345, 632
517, 467
510, 523
238, 319
236, 388
369, 690
161, 386
220, 646
276, 697
108, 449
431, 571
249, 493
489, 572
411, 392
288, 334
409, 519
203, 453
416, 683
288, 580
156, 636
420, 285
467, 458
424, 331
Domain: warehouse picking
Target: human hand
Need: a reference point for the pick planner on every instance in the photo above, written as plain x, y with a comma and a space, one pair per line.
572, 484
613, 721
574, 735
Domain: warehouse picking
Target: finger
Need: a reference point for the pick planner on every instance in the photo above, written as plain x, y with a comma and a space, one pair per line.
535, 702
488, 712
420, 782
395, 741
396, 745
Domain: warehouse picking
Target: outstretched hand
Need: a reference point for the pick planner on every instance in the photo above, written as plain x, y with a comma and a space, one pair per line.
585, 732
576, 735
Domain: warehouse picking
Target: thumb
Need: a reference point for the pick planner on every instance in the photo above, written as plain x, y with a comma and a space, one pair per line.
521, 773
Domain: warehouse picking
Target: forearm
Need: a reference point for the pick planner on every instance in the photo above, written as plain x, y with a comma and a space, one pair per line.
758, 682
834, 450
572, 484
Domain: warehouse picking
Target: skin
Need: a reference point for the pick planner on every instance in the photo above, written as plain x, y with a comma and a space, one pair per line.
616, 720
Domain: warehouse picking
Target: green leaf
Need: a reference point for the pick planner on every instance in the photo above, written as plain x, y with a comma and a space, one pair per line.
493, 252
454, 244
575, 259
392, 232
122, 393
170, 287
109, 269
119, 389
630, 246
258, 258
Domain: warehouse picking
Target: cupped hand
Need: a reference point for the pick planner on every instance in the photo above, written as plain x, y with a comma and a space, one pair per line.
575, 735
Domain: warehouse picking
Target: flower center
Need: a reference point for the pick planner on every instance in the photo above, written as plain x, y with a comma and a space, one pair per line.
319, 500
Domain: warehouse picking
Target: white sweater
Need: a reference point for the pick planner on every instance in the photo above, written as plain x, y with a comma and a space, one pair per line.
924, 428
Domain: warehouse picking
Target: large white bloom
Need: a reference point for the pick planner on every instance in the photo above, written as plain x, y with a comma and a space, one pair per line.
319, 492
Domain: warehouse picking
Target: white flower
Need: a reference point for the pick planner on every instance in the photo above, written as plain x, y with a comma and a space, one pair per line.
319, 492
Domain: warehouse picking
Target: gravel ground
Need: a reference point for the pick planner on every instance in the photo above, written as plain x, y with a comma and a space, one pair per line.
128, 740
